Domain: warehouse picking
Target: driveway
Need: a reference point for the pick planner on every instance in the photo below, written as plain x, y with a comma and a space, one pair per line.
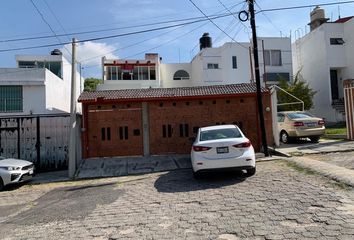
279, 202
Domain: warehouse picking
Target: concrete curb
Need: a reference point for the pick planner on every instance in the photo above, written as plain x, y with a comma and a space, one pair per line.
339, 174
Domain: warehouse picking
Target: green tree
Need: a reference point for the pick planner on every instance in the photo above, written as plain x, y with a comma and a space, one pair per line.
300, 89
90, 84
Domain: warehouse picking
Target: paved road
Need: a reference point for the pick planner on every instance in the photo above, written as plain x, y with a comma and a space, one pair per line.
277, 203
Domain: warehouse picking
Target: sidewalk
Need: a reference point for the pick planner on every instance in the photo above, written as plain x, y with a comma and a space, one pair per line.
324, 146
334, 172
121, 166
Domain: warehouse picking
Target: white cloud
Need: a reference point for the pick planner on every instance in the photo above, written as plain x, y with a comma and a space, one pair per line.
91, 53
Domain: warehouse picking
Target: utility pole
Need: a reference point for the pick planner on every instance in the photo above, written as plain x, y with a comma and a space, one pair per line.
72, 141
258, 80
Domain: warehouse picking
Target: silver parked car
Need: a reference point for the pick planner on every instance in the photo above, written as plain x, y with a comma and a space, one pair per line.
298, 124
15, 171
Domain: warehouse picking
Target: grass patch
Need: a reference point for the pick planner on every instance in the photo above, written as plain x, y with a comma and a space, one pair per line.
338, 128
330, 131
299, 168
340, 185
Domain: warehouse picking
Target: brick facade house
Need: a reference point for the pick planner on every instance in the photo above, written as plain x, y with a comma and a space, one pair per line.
159, 121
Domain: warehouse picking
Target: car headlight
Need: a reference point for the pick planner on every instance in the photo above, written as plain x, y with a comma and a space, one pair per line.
11, 168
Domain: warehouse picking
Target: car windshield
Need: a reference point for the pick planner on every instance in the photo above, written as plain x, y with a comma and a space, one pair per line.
2, 158
296, 115
220, 134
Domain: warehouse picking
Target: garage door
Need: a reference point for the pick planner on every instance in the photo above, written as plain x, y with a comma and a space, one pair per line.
115, 130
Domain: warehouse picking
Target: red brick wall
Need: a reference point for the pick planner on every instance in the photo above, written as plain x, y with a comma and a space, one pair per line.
195, 113
116, 117
199, 113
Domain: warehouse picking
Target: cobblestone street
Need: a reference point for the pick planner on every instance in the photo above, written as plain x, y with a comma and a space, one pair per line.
279, 202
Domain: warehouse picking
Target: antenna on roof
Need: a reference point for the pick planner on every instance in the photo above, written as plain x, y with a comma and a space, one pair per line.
338, 11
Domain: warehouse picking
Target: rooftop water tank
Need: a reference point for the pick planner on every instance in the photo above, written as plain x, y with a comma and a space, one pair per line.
205, 41
56, 52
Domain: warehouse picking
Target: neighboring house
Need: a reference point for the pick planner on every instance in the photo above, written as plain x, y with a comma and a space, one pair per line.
34, 110
325, 58
230, 63
158, 121
39, 85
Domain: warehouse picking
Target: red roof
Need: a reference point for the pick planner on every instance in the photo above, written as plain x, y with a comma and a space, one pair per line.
343, 20
172, 93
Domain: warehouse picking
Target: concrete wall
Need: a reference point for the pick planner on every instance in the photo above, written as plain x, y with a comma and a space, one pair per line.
315, 57
43, 91
168, 71
275, 43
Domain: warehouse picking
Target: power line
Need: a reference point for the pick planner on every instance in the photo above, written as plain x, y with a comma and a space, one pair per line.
114, 36
270, 21
110, 29
46, 22
303, 6
216, 24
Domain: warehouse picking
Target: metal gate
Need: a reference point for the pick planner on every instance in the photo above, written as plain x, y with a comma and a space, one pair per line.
42, 140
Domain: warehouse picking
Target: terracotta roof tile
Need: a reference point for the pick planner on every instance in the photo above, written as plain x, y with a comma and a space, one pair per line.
163, 93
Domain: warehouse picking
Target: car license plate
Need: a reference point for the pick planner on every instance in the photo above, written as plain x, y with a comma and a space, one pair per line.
222, 149
30, 172
311, 124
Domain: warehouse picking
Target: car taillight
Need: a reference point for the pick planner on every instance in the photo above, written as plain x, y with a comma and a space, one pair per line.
243, 145
200, 148
321, 122
298, 124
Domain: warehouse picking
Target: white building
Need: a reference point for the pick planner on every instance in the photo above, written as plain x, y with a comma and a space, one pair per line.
39, 85
228, 64
325, 57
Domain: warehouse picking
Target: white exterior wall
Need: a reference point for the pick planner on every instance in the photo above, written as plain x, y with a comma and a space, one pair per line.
43, 91
167, 72
275, 43
199, 73
315, 57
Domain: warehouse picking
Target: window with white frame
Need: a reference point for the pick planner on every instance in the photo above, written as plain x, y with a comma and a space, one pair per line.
272, 57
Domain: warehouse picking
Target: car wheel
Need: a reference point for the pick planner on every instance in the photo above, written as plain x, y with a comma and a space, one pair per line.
315, 139
1, 184
284, 137
251, 172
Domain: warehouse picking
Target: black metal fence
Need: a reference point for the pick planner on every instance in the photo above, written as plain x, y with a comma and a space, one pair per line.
42, 140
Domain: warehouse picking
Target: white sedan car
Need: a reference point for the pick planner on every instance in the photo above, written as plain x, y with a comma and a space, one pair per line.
14, 171
222, 147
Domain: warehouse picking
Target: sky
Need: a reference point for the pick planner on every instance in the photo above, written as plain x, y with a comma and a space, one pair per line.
36, 18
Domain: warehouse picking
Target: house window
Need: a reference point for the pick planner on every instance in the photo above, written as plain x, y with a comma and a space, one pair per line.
181, 75
272, 57
336, 41
234, 62
113, 73
11, 99
213, 66
166, 131
106, 134
184, 130
123, 133
54, 67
